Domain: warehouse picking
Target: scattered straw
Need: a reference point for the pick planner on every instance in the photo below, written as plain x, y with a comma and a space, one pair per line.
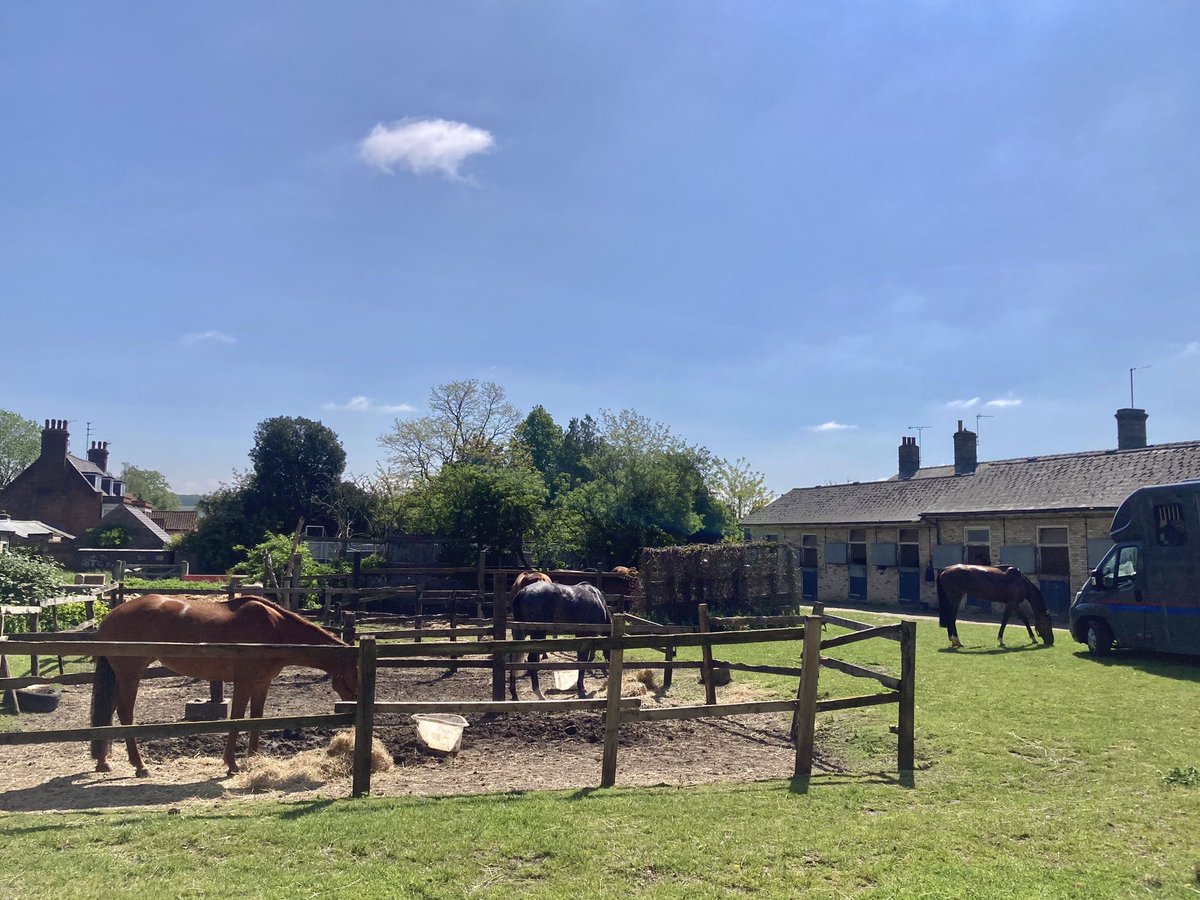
310, 768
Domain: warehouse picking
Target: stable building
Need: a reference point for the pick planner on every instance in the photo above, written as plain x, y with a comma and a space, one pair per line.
883, 541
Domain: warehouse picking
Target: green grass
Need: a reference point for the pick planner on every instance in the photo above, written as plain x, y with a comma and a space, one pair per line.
1043, 773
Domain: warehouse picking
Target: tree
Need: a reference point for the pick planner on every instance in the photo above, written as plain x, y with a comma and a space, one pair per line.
648, 488
740, 488
541, 438
226, 519
20, 444
296, 461
484, 505
463, 416
581, 441
150, 486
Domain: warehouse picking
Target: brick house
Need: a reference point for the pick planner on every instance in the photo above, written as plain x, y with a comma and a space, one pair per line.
882, 541
74, 495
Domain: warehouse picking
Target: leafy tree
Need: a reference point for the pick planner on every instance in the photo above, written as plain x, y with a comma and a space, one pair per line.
226, 519
113, 538
280, 548
150, 486
542, 439
464, 416
20, 444
740, 488
581, 441
295, 462
27, 578
351, 506
648, 489
483, 504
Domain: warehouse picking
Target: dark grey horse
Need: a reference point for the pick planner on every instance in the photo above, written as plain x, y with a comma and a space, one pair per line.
560, 604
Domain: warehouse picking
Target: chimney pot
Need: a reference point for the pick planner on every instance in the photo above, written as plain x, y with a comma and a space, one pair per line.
1131, 429
910, 458
966, 451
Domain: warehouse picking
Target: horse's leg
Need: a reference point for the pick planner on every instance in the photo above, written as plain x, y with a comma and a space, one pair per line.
129, 677
534, 658
258, 702
237, 710
1003, 622
1020, 608
583, 656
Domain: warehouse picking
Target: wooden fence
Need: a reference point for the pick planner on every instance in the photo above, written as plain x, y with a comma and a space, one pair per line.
626, 634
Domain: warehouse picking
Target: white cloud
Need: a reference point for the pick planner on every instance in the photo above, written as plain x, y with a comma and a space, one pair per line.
963, 404
1192, 349
208, 337
1004, 402
424, 145
832, 426
365, 404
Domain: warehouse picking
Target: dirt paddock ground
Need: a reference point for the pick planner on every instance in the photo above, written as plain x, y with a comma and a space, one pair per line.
507, 752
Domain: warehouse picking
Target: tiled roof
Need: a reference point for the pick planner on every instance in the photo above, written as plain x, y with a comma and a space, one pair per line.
86, 466
174, 520
1095, 480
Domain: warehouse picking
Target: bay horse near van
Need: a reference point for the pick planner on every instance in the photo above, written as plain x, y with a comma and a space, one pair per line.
999, 584
559, 604
243, 620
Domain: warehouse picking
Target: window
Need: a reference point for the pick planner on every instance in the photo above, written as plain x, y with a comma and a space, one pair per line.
1171, 530
1121, 566
979, 546
808, 551
910, 547
773, 538
858, 546
1055, 558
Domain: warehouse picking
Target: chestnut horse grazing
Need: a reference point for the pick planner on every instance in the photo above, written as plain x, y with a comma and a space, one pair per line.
243, 620
544, 601
999, 584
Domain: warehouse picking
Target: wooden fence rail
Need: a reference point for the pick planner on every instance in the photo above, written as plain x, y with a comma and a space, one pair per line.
617, 710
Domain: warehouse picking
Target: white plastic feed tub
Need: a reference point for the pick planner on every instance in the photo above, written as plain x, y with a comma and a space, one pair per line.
440, 732
565, 679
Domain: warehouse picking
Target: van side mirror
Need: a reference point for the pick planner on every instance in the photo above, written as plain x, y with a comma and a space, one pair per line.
1097, 579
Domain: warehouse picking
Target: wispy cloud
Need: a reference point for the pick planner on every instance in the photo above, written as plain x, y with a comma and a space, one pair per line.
1004, 402
832, 426
365, 404
1192, 349
207, 337
424, 146
964, 404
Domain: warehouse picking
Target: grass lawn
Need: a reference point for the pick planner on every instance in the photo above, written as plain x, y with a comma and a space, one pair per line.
1044, 773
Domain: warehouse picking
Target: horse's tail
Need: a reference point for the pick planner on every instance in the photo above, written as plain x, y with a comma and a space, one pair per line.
104, 701
947, 611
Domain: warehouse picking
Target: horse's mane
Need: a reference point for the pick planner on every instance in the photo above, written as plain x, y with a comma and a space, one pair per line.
288, 614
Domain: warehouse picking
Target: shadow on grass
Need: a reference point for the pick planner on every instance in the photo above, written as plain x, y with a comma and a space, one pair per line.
1181, 668
968, 650
801, 783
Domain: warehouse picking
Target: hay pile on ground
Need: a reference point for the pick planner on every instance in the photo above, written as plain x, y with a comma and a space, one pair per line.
310, 768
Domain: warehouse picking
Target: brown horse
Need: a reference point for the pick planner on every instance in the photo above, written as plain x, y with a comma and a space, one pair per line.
243, 620
527, 578
999, 584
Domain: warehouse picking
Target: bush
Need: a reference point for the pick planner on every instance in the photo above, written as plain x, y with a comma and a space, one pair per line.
279, 546
26, 578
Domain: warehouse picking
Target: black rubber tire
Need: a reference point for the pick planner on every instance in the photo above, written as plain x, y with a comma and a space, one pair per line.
1098, 637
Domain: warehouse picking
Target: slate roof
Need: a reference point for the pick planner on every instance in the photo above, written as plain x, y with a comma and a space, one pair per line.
140, 515
83, 466
29, 528
1066, 482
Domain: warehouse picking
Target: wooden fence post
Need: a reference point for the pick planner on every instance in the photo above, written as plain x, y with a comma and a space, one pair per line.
481, 587
453, 628
499, 632
356, 570
349, 633
35, 663
10, 695
364, 717
706, 666
908, 668
806, 711
612, 711
293, 597
668, 670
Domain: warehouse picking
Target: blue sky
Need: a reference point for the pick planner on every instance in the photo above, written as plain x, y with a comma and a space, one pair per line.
788, 230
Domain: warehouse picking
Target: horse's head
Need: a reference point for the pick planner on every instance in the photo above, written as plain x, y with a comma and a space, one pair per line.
1041, 615
1045, 629
345, 679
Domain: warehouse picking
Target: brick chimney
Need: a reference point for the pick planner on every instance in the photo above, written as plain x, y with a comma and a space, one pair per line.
98, 455
966, 451
910, 458
1131, 429
54, 440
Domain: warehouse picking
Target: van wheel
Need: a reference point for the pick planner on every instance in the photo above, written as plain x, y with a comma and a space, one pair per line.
1099, 638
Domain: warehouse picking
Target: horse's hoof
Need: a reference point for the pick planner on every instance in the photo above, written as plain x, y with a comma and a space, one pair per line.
143, 773
103, 767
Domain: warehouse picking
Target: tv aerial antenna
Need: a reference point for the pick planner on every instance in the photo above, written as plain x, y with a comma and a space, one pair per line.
979, 416
1131, 371
918, 429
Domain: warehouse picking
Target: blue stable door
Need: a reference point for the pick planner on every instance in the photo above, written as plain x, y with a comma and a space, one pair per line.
858, 582
910, 586
809, 583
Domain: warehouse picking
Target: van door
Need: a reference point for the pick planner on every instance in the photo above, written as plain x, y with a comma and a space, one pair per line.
1121, 596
